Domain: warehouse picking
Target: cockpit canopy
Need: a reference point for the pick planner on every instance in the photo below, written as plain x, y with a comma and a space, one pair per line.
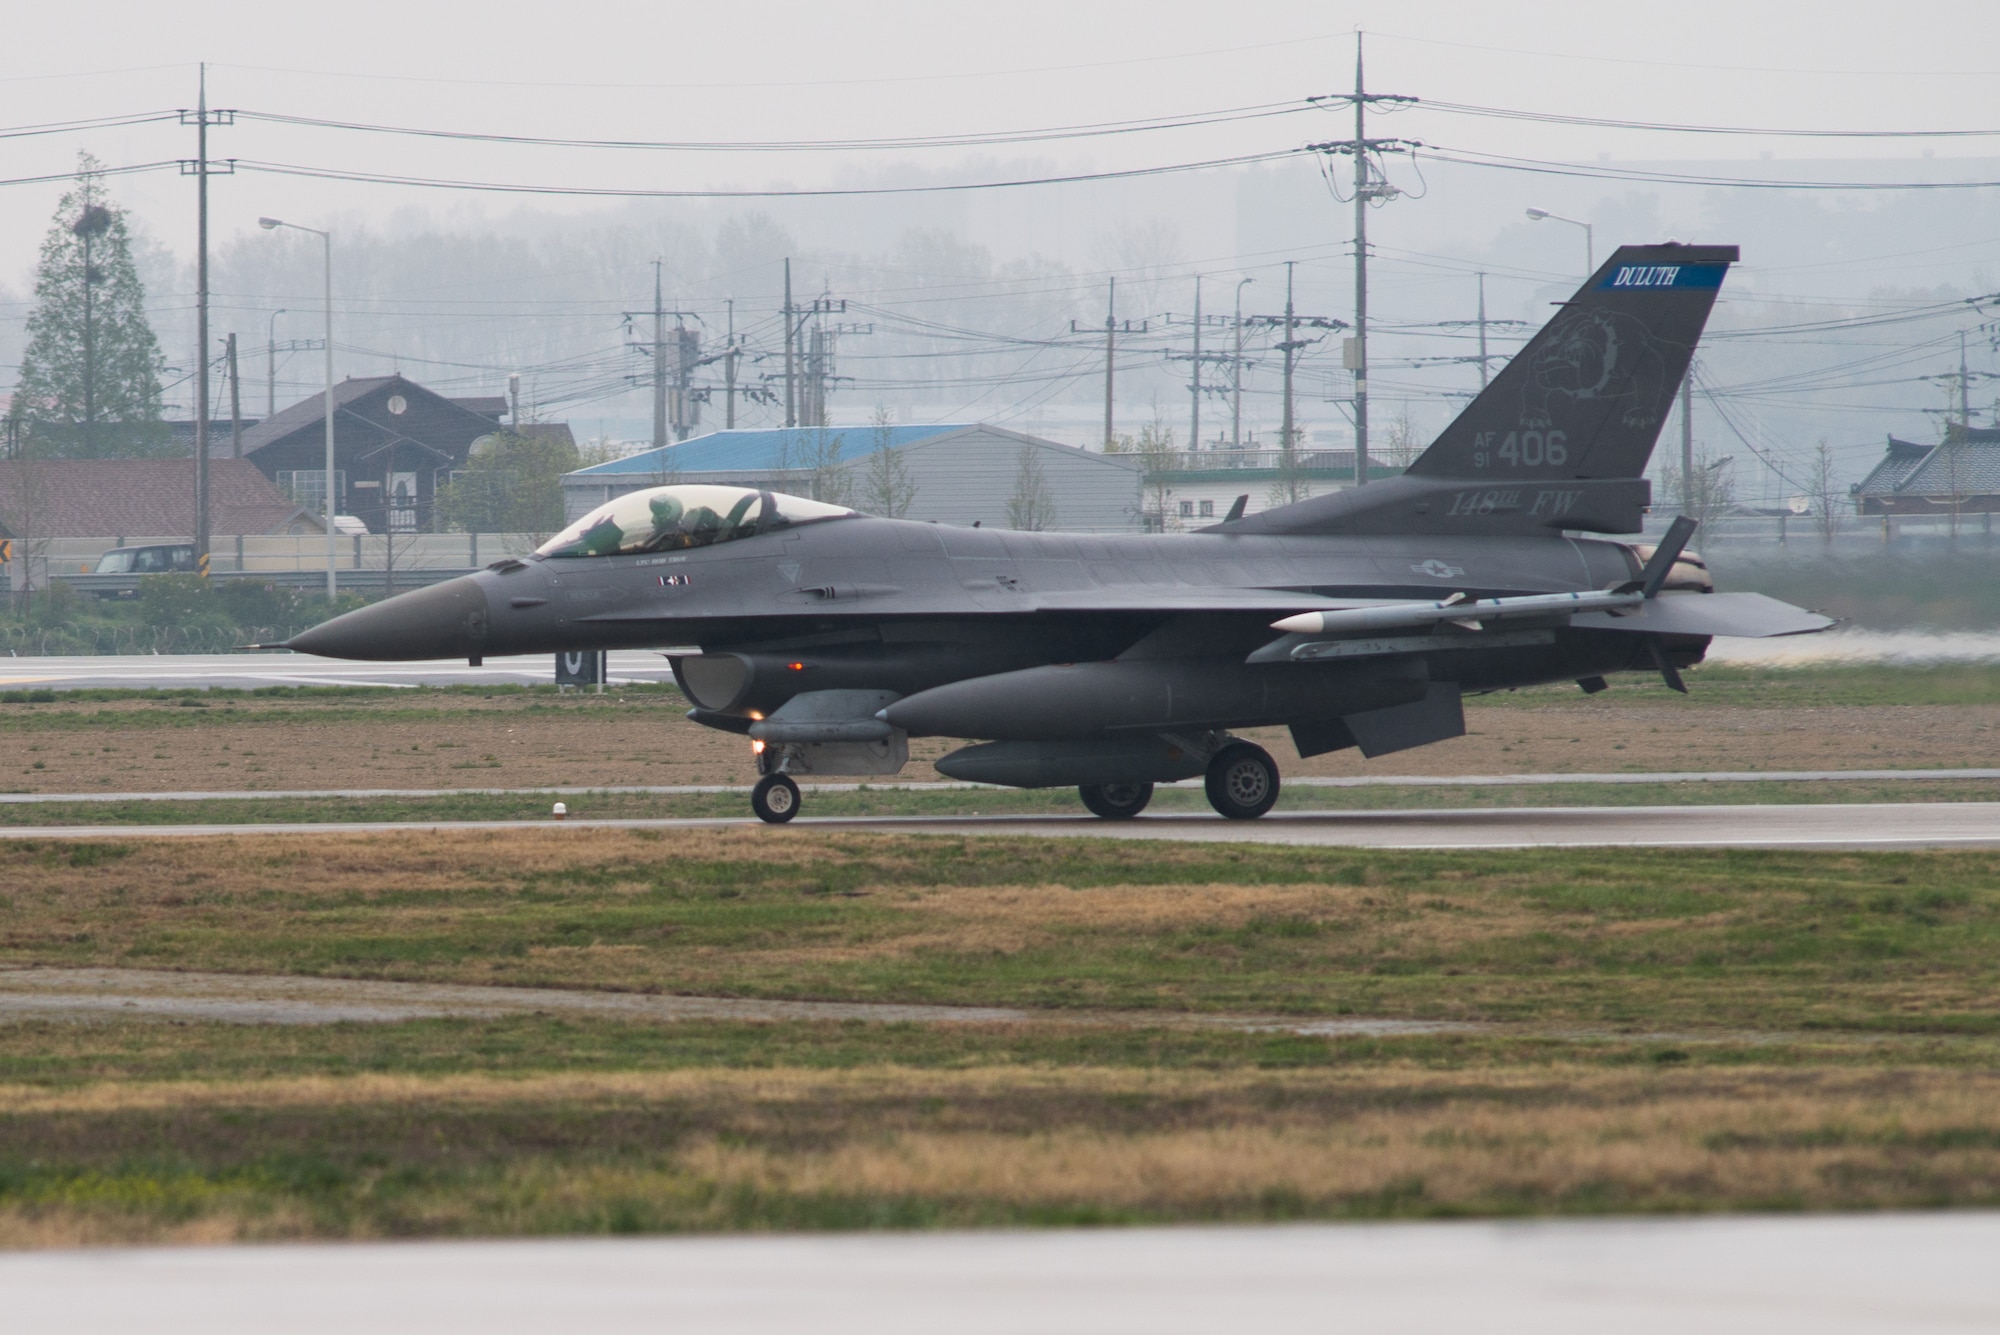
666, 519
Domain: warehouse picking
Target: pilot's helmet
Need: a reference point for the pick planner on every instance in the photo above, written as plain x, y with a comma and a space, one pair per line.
666, 512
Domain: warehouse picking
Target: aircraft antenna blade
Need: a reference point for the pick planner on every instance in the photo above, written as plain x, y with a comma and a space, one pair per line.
1670, 674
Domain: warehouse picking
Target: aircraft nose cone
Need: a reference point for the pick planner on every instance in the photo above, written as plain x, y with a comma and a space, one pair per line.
446, 620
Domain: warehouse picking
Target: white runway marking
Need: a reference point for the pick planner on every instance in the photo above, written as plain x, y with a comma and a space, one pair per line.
1190, 785
1853, 1275
1814, 825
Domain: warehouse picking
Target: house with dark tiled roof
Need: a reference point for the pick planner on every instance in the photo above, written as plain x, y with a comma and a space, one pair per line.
151, 498
1958, 475
395, 443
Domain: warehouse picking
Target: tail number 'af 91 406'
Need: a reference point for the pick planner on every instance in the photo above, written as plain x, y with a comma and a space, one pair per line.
1520, 449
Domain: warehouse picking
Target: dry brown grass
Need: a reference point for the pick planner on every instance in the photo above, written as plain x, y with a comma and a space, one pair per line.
747, 1148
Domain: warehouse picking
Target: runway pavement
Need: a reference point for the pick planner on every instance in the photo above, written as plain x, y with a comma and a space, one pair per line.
1829, 1275
1815, 825
247, 671
1621, 778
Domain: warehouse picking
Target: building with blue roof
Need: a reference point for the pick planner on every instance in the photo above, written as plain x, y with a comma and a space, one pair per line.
954, 473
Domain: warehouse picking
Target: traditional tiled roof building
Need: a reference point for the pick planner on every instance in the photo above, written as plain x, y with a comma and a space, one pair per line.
1959, 475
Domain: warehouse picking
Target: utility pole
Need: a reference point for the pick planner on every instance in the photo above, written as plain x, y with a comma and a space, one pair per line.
686, 411
235, 405
271, 367
1110, 353
201, 169
201, 322
729, 373
791, 391
1290, 346
659, 363
1111, 332
1365, 189
1687, 439
1964, 408
1482, 331
1236, 391
1194, 412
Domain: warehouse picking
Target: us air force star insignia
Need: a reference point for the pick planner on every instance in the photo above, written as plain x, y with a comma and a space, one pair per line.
1437, 569
790, 570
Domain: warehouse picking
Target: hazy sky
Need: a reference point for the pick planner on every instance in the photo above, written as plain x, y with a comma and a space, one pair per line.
784, 70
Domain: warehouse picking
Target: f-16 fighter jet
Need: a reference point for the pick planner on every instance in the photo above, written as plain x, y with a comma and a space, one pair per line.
828, 638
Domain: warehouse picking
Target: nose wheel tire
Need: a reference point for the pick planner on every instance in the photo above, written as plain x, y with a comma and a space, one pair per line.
775, 798
1116, 801
1242, 781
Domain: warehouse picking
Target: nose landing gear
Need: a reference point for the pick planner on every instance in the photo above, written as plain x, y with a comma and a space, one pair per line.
775, 798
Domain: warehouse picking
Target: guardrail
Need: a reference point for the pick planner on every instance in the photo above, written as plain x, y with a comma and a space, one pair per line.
1851, 533
349, 581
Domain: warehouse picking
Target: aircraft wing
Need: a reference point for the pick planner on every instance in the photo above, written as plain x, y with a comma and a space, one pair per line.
1748, 615
1142, 598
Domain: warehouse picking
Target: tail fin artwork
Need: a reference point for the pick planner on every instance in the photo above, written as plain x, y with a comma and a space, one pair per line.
1561, 436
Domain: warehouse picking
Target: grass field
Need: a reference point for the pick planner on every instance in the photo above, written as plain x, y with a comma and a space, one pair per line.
1680, 1030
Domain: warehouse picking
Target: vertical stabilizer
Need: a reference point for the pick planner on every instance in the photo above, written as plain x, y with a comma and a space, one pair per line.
1588, 395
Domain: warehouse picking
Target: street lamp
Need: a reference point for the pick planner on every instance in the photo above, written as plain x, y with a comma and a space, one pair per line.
1236, 404
1589, 241
332, 585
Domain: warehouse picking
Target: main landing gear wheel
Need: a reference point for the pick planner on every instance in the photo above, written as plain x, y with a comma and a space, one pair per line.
775, 798
1242, 781
1116, 801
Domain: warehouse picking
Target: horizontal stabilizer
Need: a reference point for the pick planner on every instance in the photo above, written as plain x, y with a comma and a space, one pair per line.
1746, 615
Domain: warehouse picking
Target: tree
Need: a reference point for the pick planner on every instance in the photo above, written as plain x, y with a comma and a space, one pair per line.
886, 489
1158, 458
816, 454
90, 376
511, 484
1032, 507
1290, 484
1713, 489
1400, 443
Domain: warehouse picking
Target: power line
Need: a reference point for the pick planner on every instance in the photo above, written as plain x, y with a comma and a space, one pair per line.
630, 192
968, 140
1613, 123
93, 123
1651, 176
133, 170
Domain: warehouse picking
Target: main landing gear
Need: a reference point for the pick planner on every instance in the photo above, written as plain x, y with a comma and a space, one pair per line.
775, 798
1116, 801
1242, 782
